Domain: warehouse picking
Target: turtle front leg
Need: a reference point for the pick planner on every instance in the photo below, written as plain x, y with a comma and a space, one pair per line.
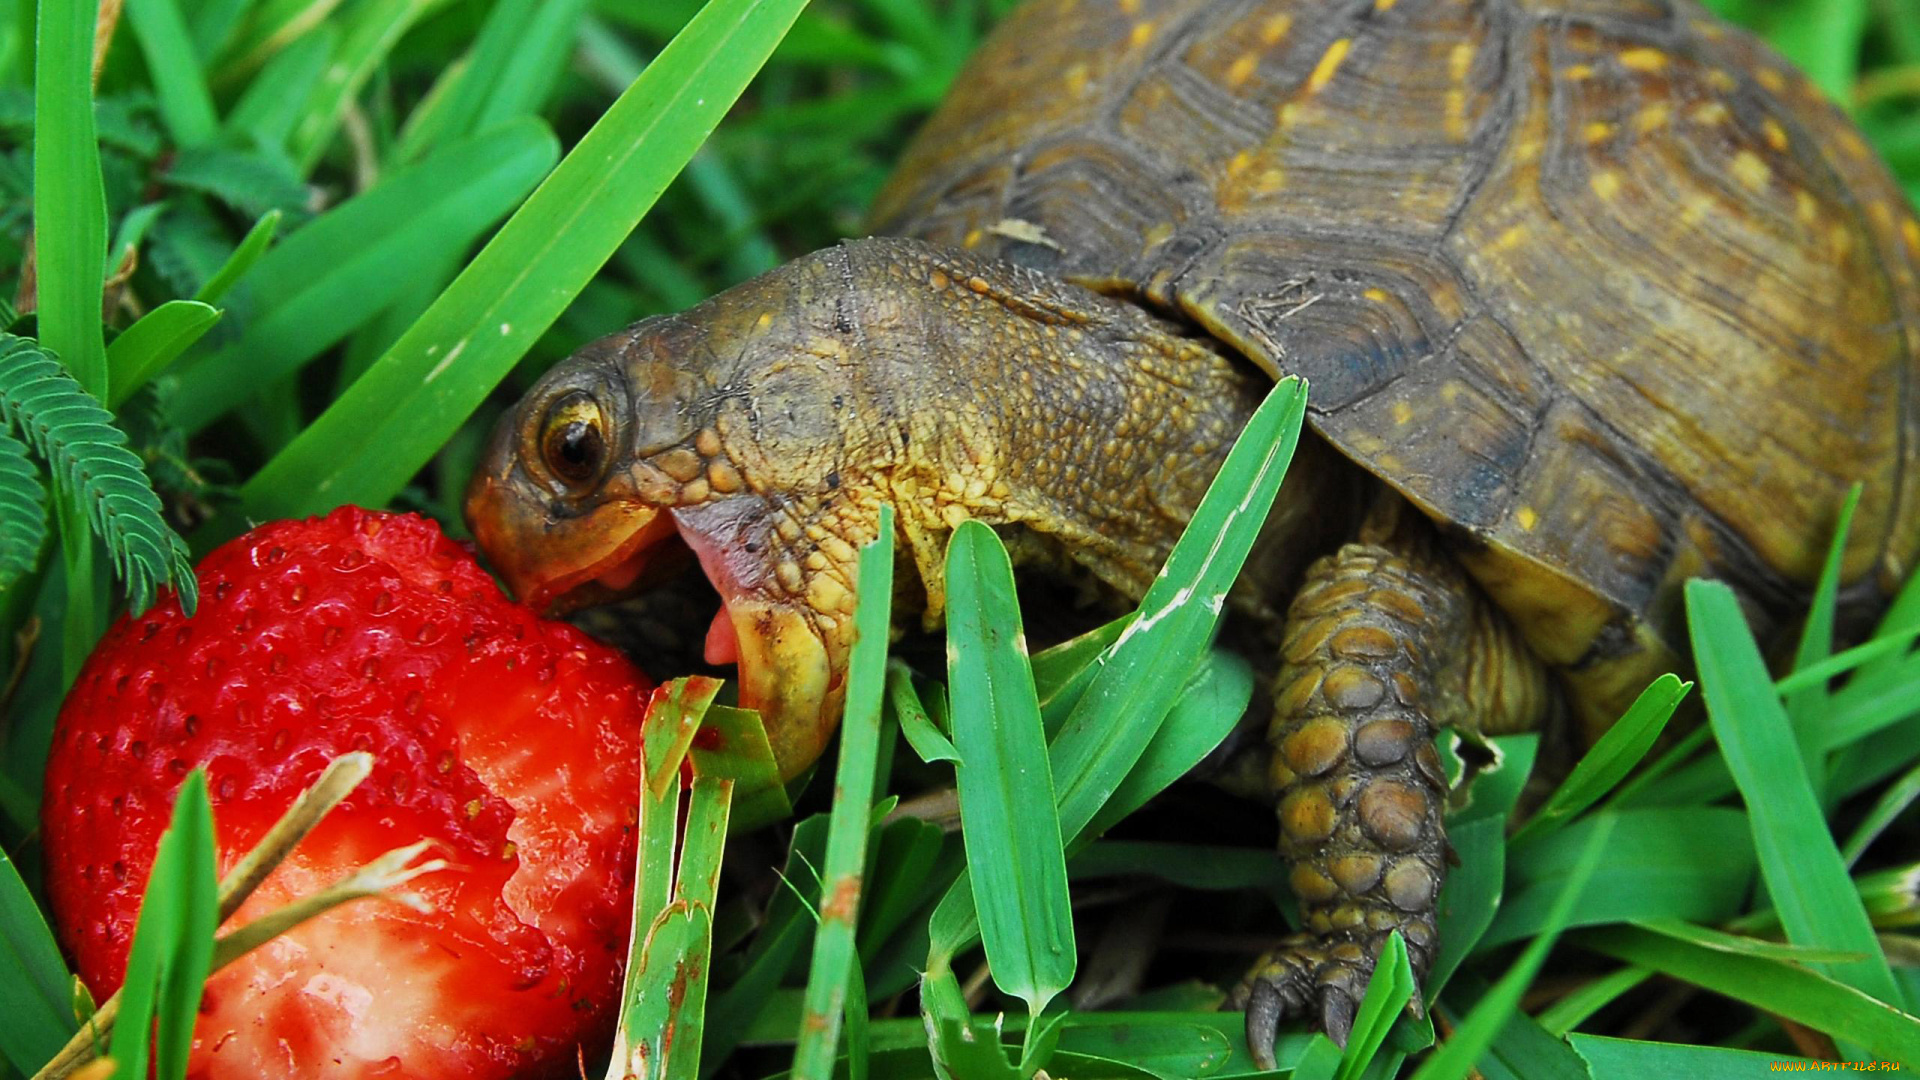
1384, 642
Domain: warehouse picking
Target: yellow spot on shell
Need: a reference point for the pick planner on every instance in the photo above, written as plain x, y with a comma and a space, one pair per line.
1751, 171
1772, 80
1776, 135
1911, 230
1324, 71
1511, 239
1450, 391
1384, 5
1854, 145
1402, 412
1159, 234
1238, 164
1275, 28
1599, 131
1841, 238
1882, 215
1526, 517
765, 320
1378, 296
1128, 7
1699, 207
1710, 113
1077, 79
973, 238
1142, 33
1651, 117
1606, 183
1243, 69
1578, 73
1806, 207
1460, 61
1648, 60
1271, 181
1722, 80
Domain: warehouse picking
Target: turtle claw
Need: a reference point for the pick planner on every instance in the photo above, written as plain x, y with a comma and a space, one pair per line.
1288, 984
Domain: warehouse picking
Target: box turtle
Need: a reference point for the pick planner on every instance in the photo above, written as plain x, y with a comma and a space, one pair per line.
1594, 296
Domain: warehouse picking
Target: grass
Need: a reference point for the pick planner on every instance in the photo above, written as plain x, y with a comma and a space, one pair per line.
328, 226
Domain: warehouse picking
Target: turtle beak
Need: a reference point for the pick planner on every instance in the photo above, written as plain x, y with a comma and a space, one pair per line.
557, 565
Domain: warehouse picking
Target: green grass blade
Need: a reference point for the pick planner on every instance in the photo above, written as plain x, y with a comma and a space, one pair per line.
1691, 863
1805, 705
1148, 665
371, 30
1789, 990
418, 393
1612, 757
1803, 870
178, 83
1609, 1057
1472, 894
273, 25
536, 63
70, 218
1454, 1058
456, 108
272, 102
834, 958
1818, 674
33, 979
339, 271
148, 346
926, 739
1214, 700
252, 246
1388, 992
172, 942
1007, 818
1709, 938
1890, 805
186, 970
1574, 1009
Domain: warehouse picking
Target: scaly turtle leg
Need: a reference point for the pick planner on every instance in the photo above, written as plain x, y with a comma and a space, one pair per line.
1386, 640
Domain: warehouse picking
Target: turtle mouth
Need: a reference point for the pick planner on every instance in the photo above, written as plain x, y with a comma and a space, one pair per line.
658, 551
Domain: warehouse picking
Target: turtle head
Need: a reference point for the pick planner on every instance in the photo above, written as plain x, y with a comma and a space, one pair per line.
735, 436
758, 434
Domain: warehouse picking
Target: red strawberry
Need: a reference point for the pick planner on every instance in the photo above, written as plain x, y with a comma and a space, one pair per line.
511, 739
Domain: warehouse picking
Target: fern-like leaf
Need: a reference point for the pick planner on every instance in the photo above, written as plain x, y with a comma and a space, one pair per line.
91, 464
23, 512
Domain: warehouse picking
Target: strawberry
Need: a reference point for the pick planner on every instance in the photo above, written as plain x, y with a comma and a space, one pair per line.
512, 740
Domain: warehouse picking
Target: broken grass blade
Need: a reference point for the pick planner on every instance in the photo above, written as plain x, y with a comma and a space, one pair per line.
732, 744
1008, 820
926, 739
847, 830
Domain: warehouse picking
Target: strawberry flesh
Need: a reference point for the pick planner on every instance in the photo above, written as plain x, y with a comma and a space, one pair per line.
511, 740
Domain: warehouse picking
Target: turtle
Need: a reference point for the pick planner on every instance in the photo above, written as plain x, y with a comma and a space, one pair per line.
1593, 297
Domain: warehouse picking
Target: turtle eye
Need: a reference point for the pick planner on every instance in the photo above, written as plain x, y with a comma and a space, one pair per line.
573, 438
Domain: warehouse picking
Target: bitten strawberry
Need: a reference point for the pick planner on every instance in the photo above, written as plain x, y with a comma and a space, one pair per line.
513, 740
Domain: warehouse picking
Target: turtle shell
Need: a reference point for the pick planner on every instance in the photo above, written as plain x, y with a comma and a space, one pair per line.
1605, 287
